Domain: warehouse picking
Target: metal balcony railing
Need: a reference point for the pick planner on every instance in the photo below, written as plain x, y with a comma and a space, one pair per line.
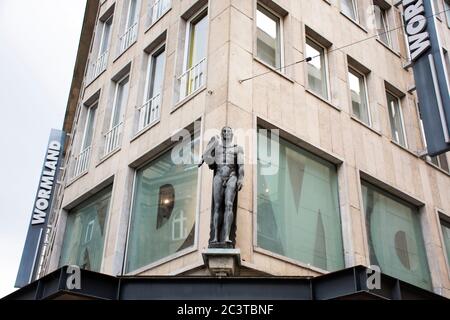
150, 112
128, 37
158, 8
113, 139
98, 66
192, 79
81, 162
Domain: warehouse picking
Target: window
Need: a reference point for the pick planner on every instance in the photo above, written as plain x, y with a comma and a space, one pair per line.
396, 120
99, 63
395, 237
445, 225
84, 236
157, 9
193, 77
447, 11
149, 113
381, 21
447, 61
164, 210
113, 135
317, 68
350, 9
268, 37
298, 208
131, 25
358, 91
81, 162
439, 161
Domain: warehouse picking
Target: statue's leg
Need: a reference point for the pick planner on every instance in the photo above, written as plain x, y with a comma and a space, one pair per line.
230, 194
217, 198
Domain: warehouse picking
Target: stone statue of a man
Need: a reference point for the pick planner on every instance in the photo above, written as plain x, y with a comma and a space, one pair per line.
227, 161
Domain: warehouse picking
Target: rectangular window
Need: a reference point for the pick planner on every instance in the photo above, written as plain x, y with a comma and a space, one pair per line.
164, 210
447, 61
114, 134
81, 160
395, 237
447, 11
446, 237
84, 236
149, 113
358, 91
350, 9
194, 75
298, 212
157, 9
381, 21
131, 25
268, 37
317, 68
396, 120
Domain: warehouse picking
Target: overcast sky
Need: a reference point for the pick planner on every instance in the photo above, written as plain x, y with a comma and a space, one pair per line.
38, 46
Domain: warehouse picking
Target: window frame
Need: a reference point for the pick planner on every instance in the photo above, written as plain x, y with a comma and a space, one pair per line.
354, 70
89, 109
114, 106
384, 12
400, 107
346, 234
96, 190
162, 48
282, 67
355, 9
326, 65
102, 37
176, 255
200, 14
442, 217
395, 195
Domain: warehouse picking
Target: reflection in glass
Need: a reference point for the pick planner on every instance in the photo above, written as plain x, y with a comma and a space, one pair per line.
164, 210
317, 73
268, 33
395, 237
298, 209
85, 233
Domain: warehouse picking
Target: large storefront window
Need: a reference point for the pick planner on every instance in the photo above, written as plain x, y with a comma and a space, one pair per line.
395, 238
85, 233
298, 208
164, 210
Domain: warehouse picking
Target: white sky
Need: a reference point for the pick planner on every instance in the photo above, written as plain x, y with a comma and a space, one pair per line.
38, 46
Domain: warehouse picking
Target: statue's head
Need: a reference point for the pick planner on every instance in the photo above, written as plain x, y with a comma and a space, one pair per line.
227, 134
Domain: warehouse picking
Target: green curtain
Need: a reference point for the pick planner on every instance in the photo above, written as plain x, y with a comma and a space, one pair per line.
298, 208
85, 232
395, 237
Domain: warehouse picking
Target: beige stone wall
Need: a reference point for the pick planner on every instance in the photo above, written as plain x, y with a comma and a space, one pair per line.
281, 99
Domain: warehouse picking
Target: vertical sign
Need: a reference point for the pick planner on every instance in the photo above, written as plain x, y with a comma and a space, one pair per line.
429, 72
41, 209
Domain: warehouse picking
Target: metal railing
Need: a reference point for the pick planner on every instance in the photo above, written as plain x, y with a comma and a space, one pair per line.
128, 37
192, 79
150, 112
158, 8
82, 162
98, 66
113, 139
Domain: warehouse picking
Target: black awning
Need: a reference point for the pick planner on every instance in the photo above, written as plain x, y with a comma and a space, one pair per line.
348, 284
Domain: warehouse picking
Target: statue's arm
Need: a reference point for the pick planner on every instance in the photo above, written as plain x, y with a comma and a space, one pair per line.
240, 164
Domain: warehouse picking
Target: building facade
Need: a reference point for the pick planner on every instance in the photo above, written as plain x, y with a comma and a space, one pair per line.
353, 184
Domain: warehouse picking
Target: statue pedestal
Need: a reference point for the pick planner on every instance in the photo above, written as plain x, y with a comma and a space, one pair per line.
222, 262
